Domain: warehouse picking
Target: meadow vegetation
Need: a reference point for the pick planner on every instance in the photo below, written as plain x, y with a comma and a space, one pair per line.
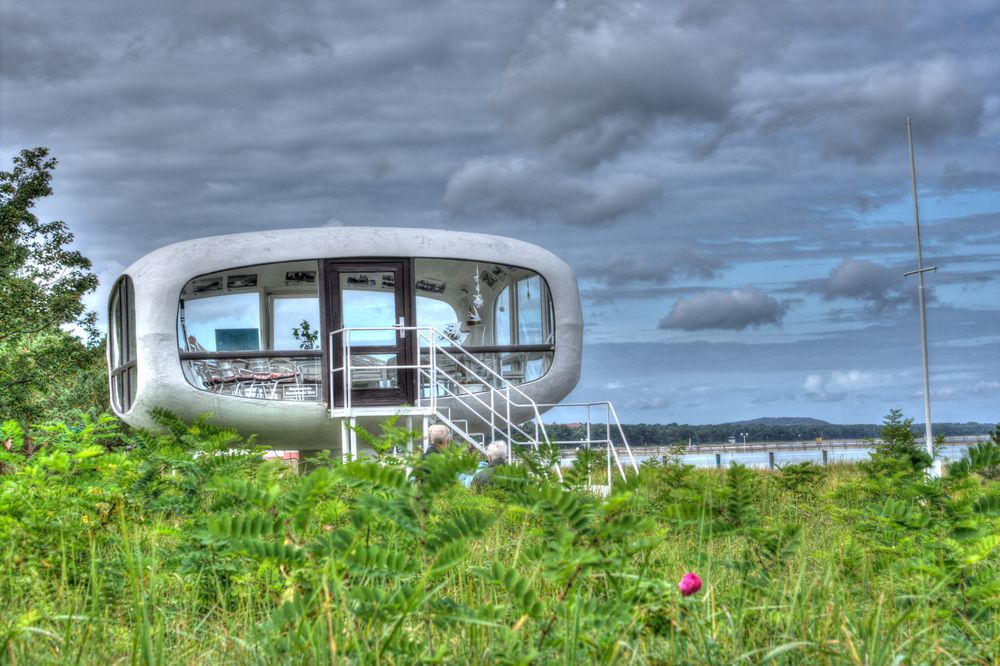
185, 546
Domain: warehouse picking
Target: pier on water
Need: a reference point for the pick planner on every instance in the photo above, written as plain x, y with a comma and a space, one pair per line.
771, 455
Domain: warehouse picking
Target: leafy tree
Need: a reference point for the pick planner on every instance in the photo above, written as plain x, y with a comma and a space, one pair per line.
42, 284
898, 452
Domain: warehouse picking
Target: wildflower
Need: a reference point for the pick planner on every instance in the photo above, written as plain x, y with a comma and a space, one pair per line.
689, 584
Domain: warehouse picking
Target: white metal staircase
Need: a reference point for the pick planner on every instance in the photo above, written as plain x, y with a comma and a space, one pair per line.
451, 378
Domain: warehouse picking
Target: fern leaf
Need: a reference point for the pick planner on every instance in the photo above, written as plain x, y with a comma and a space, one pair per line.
380, 562
468, 524
253, 526
449, 557
282, 553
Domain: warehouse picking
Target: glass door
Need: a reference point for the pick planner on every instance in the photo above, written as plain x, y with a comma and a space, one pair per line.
369, 298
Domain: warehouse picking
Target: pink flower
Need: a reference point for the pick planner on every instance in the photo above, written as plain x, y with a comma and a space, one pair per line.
689, 584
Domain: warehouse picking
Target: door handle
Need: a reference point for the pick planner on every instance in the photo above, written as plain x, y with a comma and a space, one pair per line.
401, 324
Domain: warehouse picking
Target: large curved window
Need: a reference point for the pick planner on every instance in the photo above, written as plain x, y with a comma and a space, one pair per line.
502, 313
253, 332
121, 345
260, 331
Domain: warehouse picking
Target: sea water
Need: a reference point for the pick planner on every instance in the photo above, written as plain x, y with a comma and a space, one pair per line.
761, 459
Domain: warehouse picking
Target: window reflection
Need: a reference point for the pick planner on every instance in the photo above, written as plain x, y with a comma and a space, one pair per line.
273, 307
223, 323
502, 314
529, 312
369, 300
483, 303
296, 323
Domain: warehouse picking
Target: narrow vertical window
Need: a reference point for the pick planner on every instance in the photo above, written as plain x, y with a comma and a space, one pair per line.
121, 346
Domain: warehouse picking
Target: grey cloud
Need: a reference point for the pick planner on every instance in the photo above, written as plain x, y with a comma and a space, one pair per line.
659, 267
957, 176
858, 113
255, 23
28, 52
881, 288
733, 310
588, 84
528, 189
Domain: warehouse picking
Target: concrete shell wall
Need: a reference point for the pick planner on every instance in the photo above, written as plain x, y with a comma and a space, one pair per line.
160, 276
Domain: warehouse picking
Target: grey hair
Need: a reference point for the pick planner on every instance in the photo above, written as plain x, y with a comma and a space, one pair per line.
496, 452
438, 434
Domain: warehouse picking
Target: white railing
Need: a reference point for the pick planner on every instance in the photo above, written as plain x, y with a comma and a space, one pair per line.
611, 426
496, 408
502, 407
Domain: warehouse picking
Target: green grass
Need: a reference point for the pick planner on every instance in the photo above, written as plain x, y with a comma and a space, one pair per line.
156, 555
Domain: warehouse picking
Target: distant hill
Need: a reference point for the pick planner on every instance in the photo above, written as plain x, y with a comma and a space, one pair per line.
781, 421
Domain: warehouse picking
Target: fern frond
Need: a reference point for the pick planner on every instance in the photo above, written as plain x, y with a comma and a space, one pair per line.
282, 553
301, 499
520, 590
466, 525
251, 526
380, 562
449, 557
371, 476
247, 491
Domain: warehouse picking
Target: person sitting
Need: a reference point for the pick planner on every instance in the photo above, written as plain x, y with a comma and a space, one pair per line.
465, 478
496, 456
438, 437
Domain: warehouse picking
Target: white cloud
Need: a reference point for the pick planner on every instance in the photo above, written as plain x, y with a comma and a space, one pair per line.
839, 385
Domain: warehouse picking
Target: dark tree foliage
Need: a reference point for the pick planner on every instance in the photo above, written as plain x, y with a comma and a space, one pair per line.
43, 365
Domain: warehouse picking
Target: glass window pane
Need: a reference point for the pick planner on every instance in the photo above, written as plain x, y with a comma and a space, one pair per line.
115, 327
503, 317
535, 367
223, 323
296, 323
529, 312
369, 371
129, 341
369, 300
439, 315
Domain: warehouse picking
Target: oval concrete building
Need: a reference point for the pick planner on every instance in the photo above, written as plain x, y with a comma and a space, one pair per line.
290, 334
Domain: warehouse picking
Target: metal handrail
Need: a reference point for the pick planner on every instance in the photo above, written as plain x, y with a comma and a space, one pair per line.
507, 385
511, 426
611, 418
431, 371
499, 386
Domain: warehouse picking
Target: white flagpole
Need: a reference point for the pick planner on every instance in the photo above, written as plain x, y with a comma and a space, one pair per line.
928, 434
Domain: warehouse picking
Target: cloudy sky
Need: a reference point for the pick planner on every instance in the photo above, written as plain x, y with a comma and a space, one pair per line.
729, 180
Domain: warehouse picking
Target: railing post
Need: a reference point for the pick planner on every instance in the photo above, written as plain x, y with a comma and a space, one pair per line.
509, 424
493, 416
608, 456
433, 382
